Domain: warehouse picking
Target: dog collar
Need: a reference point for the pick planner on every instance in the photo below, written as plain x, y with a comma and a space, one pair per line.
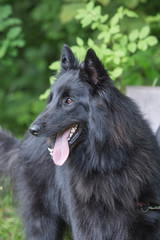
145, 207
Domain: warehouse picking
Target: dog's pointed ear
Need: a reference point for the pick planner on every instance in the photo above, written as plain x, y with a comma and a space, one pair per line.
68, 59
93, 67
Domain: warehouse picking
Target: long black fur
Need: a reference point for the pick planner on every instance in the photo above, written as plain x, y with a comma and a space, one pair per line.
113, 166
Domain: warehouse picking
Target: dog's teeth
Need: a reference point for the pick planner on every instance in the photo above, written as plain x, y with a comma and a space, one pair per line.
73, 130
50, 150
70, 135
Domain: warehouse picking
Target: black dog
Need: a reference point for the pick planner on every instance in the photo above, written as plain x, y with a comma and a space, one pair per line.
103, 173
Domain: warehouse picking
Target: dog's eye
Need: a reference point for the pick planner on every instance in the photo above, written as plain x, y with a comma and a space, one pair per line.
69, 100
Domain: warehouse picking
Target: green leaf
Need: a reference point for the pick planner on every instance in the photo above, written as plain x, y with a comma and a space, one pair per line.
90, 6
125, 59
124, 40
116, 47
5, 11
144, 32
55, 65
79, 41
151, 19
134, 35
116, 60
18, 43
119, 53
151, 40
108, 52
132, 47
120, 9
4, 47
95, 25
114, 29
104, 18
52, 80
97, 11
155, 81
101, 35
90, 42
107, 38
14, 32
86, 21
81, 13
117, 36
9, 22
130, 13
117, 72
79, 52
114, 20
44, 95
142, 45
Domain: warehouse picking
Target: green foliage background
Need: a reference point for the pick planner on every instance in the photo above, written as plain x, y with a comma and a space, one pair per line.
124, 34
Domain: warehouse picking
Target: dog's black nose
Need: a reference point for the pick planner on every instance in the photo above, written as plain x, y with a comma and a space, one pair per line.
34, 130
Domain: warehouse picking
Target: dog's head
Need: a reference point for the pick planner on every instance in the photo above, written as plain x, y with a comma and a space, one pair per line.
76, 106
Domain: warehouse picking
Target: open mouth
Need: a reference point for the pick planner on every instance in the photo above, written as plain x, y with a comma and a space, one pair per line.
64, 140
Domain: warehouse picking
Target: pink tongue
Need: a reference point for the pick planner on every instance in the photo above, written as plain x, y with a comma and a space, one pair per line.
61, 148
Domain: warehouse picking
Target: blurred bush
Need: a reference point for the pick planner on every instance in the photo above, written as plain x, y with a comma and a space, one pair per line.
120, 48
31, 36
